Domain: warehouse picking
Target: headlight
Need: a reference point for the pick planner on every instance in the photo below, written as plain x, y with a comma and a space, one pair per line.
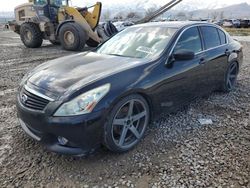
84, 103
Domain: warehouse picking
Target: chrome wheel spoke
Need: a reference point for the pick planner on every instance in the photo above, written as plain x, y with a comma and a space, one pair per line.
232, 76
119, 121
123, 135
229, 84
233, 68
131, 107
139, 116
135, 132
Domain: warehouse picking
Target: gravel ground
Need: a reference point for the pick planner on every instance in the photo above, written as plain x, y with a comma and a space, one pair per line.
177, 152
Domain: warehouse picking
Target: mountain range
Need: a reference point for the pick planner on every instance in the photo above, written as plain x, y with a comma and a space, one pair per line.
196, 8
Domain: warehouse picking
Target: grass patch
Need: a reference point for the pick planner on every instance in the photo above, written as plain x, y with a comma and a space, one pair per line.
238, 31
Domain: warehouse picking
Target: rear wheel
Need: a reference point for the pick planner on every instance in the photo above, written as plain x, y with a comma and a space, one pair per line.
126, 124
230, 77
72, 37
31, 35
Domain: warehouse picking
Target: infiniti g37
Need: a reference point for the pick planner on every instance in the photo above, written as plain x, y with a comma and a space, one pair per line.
107, 96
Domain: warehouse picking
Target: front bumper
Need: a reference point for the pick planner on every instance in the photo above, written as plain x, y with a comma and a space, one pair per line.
84, 133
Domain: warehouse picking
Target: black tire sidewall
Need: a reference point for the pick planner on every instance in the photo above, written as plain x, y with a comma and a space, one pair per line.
108, 138
79, 34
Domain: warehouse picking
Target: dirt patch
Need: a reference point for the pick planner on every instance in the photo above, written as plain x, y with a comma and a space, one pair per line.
177, 152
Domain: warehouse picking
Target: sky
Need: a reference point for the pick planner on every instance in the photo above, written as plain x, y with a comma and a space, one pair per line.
10, 4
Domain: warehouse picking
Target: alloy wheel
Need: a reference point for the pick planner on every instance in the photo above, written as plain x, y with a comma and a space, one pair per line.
232, 76
129, 124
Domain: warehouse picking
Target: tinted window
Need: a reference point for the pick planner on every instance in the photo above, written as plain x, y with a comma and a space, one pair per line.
190, 40
222, 37
211, 37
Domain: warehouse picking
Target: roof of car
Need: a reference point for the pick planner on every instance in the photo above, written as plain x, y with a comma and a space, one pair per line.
172, 24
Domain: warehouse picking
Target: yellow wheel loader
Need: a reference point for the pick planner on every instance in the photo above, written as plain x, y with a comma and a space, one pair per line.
56, 21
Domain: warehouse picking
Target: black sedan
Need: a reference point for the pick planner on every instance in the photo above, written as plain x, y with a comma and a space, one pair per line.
107, 96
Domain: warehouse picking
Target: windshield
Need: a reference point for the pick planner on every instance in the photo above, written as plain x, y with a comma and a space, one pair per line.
138, 42
59, 3
40, 2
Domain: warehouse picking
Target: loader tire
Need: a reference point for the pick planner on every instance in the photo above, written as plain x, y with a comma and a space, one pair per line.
72, 37
31, 35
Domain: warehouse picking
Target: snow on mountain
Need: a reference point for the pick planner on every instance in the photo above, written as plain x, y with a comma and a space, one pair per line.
187, 5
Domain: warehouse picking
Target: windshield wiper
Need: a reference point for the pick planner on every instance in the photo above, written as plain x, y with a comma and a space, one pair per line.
120, 55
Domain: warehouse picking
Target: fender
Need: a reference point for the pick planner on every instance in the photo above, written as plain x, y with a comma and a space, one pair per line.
233, 57
61, 24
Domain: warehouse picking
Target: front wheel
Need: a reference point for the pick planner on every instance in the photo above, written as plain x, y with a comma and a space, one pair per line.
126, 124
230, 77
72, 37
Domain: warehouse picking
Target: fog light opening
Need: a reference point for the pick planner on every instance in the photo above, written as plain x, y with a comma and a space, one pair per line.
63, 141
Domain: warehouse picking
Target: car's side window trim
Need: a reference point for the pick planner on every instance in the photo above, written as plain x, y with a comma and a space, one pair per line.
202, 41
219, 30
199, 26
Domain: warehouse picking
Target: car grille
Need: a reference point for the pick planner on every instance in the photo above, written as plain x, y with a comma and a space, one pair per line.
32, 101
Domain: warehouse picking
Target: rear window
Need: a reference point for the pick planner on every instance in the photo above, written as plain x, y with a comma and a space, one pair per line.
223, 39
210, 36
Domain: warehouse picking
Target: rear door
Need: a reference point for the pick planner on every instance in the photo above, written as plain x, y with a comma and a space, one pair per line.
215, 43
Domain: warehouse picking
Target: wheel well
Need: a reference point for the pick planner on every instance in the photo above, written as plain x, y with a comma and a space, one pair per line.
61, 24
150, 104
145, 96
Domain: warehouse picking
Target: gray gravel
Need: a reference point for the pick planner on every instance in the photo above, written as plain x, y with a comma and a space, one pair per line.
177, 152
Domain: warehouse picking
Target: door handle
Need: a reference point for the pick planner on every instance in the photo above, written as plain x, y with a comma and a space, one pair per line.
227, 52
202, 61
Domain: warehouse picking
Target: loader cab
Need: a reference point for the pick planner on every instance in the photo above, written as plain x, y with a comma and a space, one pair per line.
47, 10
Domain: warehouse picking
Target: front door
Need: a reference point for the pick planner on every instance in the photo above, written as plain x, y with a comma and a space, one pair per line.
183, 81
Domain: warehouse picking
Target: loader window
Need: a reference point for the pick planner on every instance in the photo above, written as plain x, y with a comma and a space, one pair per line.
21, 15
58, 3
138, 42
40, 2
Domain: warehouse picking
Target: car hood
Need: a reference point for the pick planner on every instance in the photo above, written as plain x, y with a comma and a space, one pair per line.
59, 75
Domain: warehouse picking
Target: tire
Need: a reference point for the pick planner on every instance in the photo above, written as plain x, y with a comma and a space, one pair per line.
31, 35
55, 42
124, 128
230, 77
72, 37
110, 29
92, 43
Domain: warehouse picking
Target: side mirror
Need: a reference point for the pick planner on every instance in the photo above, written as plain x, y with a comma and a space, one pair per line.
183, 55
